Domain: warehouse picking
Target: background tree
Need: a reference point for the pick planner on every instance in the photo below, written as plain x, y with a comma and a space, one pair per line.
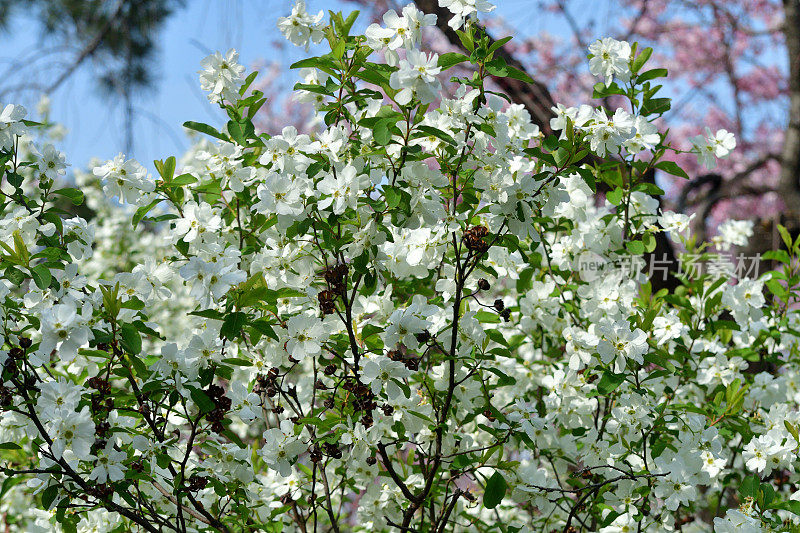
118, 37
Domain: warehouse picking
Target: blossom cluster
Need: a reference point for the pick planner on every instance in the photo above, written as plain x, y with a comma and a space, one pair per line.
381, 325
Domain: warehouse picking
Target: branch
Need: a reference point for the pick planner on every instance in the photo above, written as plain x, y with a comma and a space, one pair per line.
89, 49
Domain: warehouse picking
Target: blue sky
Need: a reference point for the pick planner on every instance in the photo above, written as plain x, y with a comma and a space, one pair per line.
95, 123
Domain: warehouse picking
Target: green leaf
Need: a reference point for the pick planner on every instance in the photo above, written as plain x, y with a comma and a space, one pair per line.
204, 128
449, 59
787, 239
615, 196
436, 132
635, 247
792, 429
393, 197
74, 195
21, 249
652, 74
466, 40
183, 179
131, 339
671, 167
240, 131
348, 23
641, 59
233, 324
10, 446
142, 212
49, 495
202, 401
793, 506
166, 168
499, 67
495, 491
656, 106
41, 276
749, 486
609, 382
499, 43
601, 91
649, 242
382, 131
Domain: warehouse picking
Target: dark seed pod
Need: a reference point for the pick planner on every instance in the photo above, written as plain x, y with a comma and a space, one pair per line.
315, 455
423, 337
367, 421
224, 403
483, 284
215, 391
197, 483
473, 239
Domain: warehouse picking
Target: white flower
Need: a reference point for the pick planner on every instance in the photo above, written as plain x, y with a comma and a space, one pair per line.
645, 136
281, 447
736, 521
11, 125
734, 233
341, 190
63, 330
300, 28
60, 394
196, 220
608, 134
50, 163
221, 76
610, 59
713, 146
124, 179
619, 344
108, 465
279, 195
72, 434
417, 78
305, 335
624, 523
246, 404
463, 9
381, 373
675, 223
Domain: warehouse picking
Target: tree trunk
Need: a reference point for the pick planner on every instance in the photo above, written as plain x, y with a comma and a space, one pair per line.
789, 185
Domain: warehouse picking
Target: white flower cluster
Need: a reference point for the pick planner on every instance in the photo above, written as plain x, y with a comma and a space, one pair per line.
387, 322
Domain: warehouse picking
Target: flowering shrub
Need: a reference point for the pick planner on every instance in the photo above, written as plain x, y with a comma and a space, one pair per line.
387, 325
